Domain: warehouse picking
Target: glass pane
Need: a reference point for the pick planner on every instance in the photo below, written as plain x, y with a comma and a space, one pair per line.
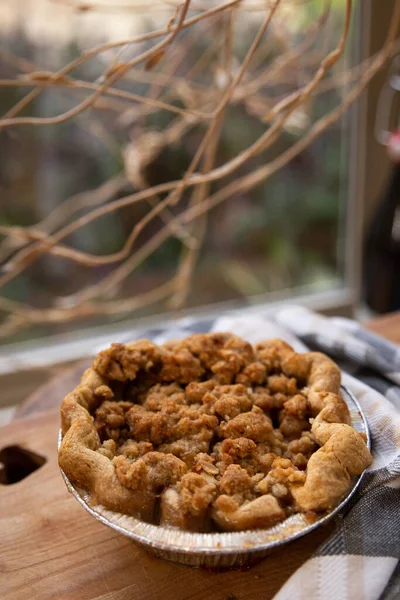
281, 234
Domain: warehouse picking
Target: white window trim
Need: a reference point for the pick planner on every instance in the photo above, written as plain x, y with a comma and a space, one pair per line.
58, 349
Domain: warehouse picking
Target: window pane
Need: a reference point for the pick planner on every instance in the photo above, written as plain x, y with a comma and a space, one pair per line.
281, 234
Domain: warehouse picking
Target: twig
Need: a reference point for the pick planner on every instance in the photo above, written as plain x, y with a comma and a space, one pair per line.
172, 30
110, 79
190, 256
259, 175
25, 244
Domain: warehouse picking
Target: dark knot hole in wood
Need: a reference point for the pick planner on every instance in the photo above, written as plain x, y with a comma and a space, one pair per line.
16, 463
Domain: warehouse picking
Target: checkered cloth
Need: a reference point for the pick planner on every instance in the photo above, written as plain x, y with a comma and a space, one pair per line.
360, 561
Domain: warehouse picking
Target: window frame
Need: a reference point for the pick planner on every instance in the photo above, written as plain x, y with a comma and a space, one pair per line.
363, 183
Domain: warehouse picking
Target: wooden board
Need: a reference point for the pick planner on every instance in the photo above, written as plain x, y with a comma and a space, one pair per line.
48, 396
51, 548
388, 326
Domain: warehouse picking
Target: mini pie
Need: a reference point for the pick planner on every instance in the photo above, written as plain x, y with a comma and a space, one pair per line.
210, 433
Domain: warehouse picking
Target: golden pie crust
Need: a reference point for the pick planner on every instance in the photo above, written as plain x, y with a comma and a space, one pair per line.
210, 433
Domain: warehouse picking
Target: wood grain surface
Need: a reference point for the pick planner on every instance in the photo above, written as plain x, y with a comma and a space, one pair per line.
388, 326
51, 548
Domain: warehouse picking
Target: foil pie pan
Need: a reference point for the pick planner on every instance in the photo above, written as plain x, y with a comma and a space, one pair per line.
218, 550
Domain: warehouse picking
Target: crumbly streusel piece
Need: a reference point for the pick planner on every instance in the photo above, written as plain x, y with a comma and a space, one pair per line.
148, 426
187, 449
283, 472
196, 390
187, 504
207, 347
253, 374
255, 425
292, 426
180, 366
122, 362
280, 384
110, 418
152, 472
228, 405
108, 449
241, 451
133, 449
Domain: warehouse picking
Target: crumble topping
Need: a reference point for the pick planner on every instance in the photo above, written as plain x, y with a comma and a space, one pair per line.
212, 433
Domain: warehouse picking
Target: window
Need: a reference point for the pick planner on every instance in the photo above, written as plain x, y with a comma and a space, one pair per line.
288, 236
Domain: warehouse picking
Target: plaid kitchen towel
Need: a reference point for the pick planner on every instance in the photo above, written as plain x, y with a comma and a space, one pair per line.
360, 560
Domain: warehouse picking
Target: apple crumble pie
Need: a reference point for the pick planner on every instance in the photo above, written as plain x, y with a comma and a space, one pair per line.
210, 433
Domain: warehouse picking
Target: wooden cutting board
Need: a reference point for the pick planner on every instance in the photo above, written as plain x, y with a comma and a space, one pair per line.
51, 548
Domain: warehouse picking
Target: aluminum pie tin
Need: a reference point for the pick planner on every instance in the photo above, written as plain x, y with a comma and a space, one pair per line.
219, 550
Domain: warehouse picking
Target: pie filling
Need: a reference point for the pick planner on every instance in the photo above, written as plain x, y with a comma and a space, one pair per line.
210, 433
